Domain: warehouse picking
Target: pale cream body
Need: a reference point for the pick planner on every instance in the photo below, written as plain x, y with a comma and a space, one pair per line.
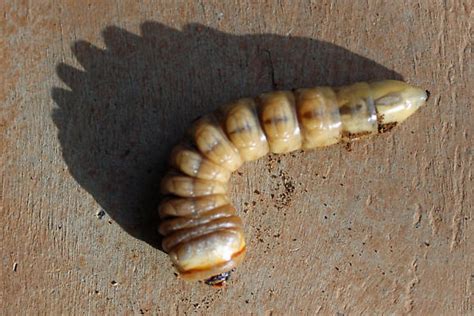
203, 235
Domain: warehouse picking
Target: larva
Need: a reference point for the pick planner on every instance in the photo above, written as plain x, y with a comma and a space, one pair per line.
203, 235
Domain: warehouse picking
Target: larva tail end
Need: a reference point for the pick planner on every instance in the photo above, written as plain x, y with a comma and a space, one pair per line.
395, 100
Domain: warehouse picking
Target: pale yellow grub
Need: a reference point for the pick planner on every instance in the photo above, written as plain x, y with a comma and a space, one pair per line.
279, 120
192, 163
214, 144
396, 100
203, 235
244, 130
318, 114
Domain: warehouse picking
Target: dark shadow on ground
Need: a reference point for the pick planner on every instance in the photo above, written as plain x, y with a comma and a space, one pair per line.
132, 101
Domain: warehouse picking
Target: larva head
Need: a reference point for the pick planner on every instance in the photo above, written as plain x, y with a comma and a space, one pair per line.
210, 257
396, 100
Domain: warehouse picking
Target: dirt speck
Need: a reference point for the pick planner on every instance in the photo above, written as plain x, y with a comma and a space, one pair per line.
384, 128
100, 214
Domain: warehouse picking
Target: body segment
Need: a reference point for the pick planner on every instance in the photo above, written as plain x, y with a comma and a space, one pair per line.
203, 235
279, 121
241, 123
318, 114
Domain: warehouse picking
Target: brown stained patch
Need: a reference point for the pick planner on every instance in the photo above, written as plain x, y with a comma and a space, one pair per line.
348, 136
348, 147
348, 109
384, 128
380, 118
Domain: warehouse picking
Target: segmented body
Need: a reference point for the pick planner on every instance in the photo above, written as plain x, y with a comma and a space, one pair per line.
203, 234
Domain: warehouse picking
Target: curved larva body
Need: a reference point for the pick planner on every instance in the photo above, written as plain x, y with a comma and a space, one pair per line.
203, 235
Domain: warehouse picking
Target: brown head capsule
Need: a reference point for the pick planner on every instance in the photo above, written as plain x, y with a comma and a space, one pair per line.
203, 234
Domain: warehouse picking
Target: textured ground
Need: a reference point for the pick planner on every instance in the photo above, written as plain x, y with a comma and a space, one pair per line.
93, 95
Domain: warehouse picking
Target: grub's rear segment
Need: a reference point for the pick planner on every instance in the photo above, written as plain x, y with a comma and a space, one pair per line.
203, 234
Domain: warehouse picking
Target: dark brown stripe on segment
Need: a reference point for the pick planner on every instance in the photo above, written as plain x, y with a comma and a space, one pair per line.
212, 128
313, 114
246, 127
215, 142
276, 120
349, 109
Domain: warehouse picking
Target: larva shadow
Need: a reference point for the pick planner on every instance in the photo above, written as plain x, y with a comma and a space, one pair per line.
134, 99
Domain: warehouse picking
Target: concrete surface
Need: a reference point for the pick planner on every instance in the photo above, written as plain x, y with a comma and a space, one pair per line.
94, 94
